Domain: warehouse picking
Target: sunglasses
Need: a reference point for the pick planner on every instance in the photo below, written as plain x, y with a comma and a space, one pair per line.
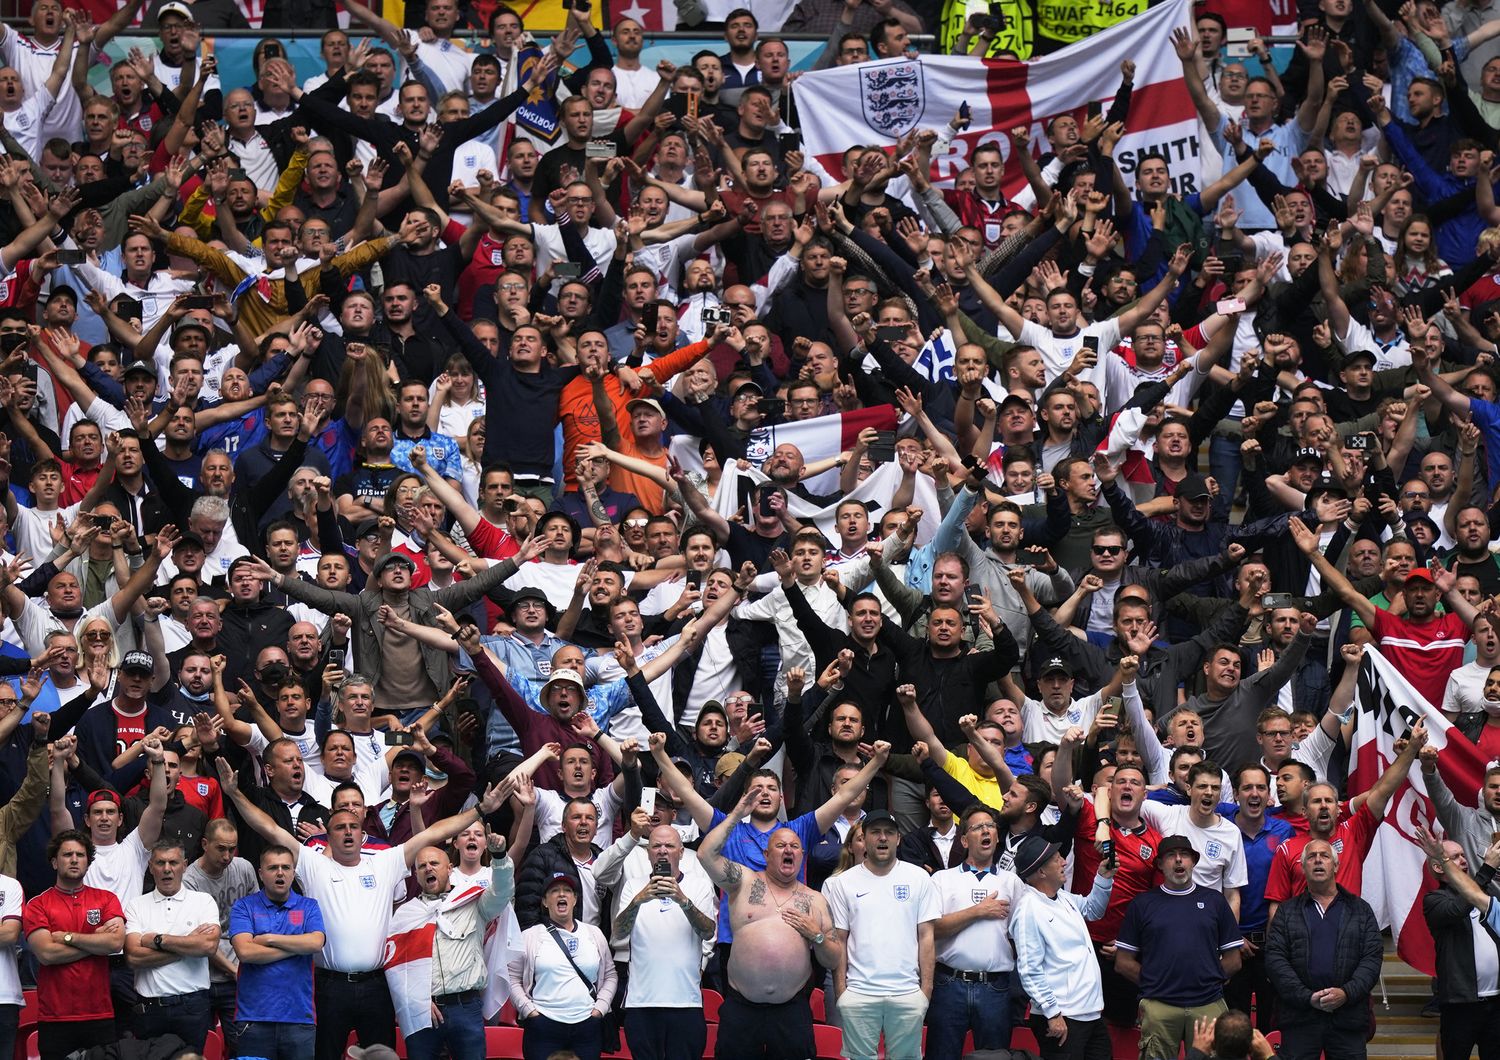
1108, 550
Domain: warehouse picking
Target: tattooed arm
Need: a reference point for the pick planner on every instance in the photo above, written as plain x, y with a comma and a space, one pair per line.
725, 873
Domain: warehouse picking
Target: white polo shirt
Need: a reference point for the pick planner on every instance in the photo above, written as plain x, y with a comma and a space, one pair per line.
356, 904
549, 810
1043, 725
983, 946
1220, 847
178, 914
881, 914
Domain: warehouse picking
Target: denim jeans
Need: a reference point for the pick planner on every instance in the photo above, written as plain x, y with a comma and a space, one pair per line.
1224, 465
461, 1034
277, 1041
958, 1007
186, 1015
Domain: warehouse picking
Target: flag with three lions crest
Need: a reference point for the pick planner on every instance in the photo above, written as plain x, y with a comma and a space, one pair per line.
898, 95
1395, 877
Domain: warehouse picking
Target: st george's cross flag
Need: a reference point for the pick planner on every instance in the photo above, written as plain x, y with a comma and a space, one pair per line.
879, 102
1395, 876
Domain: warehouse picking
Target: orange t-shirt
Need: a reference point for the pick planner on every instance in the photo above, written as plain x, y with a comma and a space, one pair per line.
580, 419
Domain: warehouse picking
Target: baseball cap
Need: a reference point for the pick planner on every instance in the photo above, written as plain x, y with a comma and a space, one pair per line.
389, 559
1056, 664
366, 526
881, 817
1032, 854
410, 752
138, 660
1174, 844
1421, 574
1307, 453
650, 403
188, 538
746, 388
1328, 483
141, 368
1360, 355
63, 289
727, 764
1014, 399
1193, 487
713, 706
569, 677
561, 878
174, 7
189, 324
104, 795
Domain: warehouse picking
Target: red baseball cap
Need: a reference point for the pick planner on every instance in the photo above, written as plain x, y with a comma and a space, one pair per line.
1421, 574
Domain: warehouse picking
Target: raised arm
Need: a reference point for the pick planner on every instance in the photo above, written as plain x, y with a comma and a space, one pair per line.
841, 800
252, 814
1307, 540
725, 873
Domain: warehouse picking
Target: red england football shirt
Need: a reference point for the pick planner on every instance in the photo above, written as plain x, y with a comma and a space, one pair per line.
78, 991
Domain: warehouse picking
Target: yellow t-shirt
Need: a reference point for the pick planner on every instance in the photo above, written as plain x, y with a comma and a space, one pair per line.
985, 789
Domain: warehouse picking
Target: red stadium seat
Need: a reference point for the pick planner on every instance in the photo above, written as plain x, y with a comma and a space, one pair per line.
712, 999
33, 1052
508, 1015
1022, 1038
213, 1045
503, 1043
830, 1041
711, 1044
819, 1012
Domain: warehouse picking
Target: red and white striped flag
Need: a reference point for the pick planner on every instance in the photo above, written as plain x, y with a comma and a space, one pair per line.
1395, 877
896, 96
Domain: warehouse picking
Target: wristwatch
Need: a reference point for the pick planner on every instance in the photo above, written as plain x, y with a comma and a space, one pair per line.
817, 940
68, 938
156, 942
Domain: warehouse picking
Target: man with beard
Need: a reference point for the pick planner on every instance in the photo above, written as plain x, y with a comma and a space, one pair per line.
393, 819
191, 693
1135, 844
1353, 835
463, 914
73, 928
358, 914
884, 911
1423, 644
1472, 826
781, 925
1472, 555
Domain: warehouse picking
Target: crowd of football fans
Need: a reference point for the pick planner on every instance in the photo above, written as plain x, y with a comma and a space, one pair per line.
498, 534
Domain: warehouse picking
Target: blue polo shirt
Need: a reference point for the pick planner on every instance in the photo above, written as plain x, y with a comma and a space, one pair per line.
282, 991
1018, 759
1260, 849
747, 844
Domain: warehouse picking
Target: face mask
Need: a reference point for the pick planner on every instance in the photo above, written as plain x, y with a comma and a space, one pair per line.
273, 675
1492, 707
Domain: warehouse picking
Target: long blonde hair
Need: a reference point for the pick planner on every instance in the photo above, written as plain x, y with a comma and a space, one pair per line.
847, 860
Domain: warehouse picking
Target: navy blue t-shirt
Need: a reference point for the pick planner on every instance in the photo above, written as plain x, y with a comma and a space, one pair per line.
1178, 936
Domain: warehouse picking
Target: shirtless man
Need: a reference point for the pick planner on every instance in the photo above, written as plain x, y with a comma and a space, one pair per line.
775, 919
